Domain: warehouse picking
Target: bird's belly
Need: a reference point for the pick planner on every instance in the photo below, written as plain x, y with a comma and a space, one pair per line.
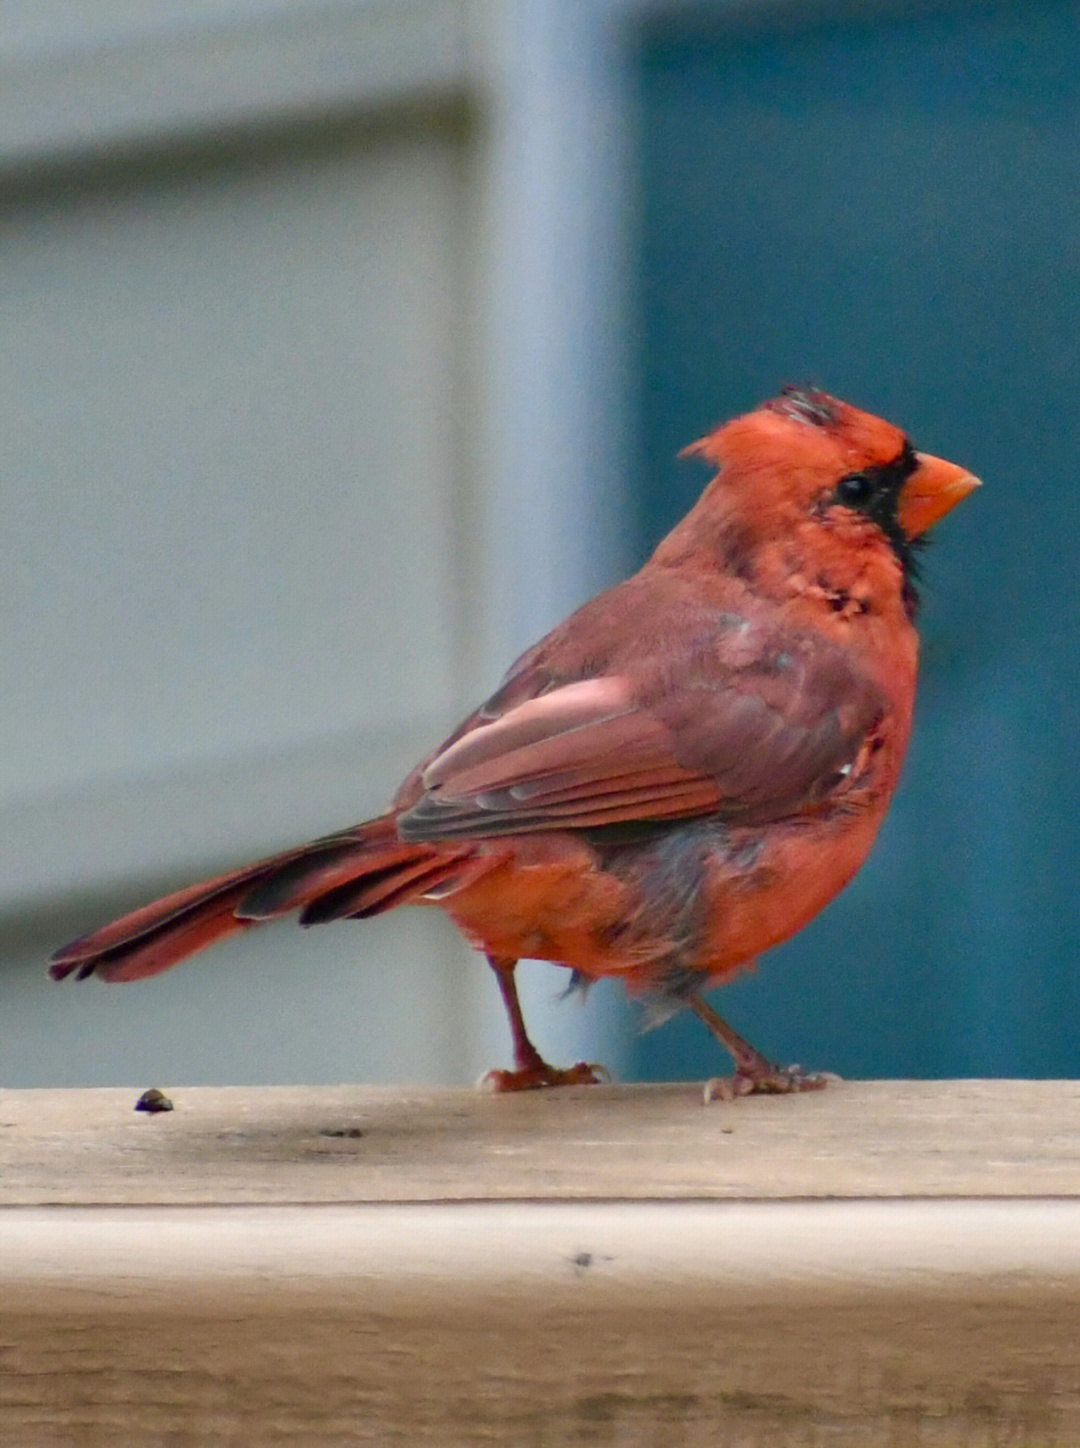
693, 902
798, 869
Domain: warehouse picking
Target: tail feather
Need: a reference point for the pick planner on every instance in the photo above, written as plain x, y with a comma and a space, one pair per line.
150, 918
447, 874
324, 867
357, 899
156, 950
360, 871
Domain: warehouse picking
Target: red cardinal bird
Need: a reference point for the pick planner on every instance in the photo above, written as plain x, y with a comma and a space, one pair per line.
676, 778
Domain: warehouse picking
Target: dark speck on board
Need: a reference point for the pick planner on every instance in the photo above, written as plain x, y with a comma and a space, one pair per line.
153, 1102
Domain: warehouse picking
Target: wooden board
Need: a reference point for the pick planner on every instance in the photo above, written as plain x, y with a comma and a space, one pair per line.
372, 1144
885, 1265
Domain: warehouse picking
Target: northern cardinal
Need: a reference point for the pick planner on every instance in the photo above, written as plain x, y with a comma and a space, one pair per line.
677, 777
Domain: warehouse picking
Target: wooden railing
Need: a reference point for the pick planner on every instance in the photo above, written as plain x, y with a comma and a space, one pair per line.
881, 1263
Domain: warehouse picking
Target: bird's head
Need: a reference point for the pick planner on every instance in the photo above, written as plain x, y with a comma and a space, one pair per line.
806, 466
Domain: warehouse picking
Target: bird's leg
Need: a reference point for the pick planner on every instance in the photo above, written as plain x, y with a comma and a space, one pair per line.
754, 1073
530, 1071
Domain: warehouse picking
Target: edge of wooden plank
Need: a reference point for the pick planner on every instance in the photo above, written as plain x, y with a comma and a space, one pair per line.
693, 1253
677, 1323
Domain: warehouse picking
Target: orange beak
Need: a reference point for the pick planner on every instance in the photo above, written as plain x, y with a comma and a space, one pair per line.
932, 489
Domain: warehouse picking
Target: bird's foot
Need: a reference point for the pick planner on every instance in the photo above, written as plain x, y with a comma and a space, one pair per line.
537, 1076
755, 1074
761, 1078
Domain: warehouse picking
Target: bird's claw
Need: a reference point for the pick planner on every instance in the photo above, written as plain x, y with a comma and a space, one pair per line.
539, 1077
773, 1081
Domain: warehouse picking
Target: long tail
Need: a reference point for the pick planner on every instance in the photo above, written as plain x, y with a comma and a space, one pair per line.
357, 873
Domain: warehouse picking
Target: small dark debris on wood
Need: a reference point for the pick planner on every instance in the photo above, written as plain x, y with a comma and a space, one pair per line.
153, 1102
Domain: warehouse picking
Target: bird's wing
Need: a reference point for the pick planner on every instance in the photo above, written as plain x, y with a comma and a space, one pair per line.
733, 718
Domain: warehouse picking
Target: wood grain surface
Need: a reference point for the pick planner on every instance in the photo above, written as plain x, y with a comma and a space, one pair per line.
886, 1264
372, 1144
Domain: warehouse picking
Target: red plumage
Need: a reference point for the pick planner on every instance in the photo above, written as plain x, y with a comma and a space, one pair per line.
676, 778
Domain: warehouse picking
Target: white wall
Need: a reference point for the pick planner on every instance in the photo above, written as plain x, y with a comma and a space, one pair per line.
234, 518
303, 435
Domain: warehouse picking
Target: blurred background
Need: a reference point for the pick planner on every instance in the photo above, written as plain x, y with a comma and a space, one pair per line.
350, 345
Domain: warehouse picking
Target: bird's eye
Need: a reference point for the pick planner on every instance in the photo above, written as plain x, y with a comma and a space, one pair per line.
855, 488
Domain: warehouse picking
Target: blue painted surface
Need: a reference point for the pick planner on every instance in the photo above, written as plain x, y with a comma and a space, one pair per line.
891, 208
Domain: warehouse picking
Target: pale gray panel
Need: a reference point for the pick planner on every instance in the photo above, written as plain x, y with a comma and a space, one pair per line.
377, 1001
235, 593
83, 75
229, 459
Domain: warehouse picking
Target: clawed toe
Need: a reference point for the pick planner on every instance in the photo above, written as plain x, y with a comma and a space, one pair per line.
541, 1076
772, 1081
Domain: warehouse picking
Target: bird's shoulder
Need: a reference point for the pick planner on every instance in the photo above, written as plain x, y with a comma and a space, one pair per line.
717, 679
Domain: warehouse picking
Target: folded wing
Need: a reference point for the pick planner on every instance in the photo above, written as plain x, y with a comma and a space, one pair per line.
731, 720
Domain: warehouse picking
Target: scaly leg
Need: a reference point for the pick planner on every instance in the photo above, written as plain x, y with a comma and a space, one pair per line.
754, 1073
530, 1071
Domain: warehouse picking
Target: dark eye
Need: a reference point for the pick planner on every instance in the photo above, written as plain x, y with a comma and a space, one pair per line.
855, 488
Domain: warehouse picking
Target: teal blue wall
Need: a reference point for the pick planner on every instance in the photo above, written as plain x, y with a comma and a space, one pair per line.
890, 208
